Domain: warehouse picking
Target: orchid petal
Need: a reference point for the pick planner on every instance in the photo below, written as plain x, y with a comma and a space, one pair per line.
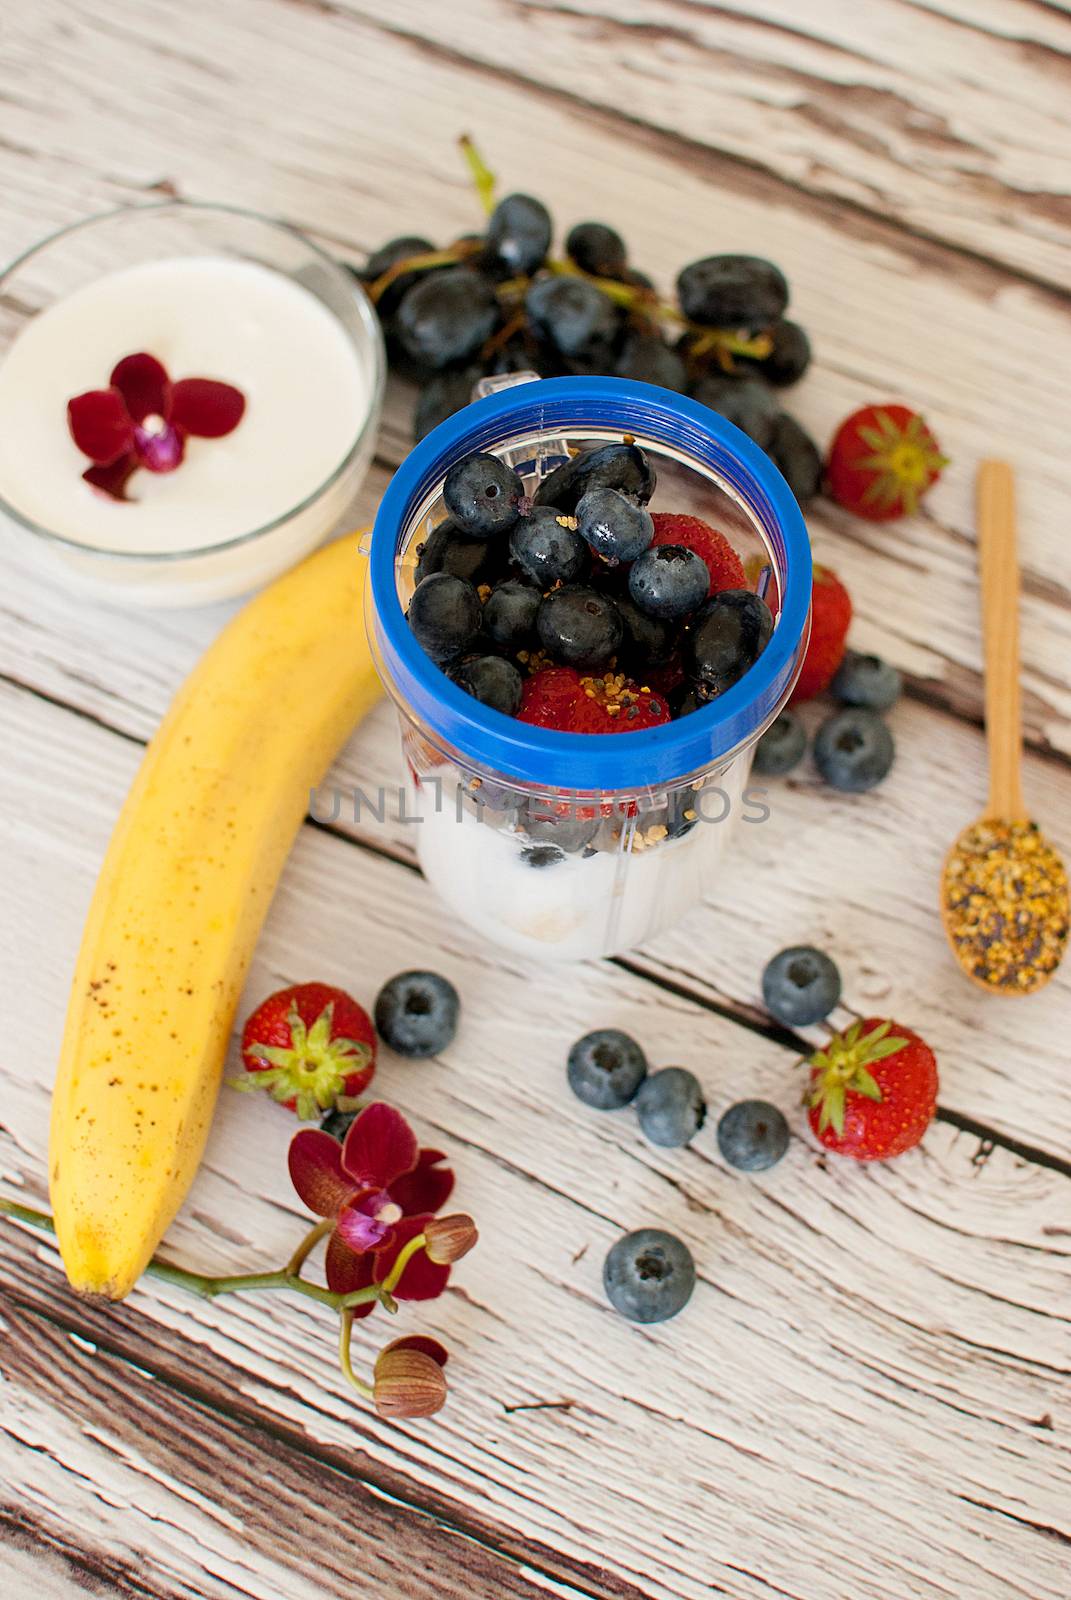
100, 425
160, 451
346, 1272
379, 1147
359, 1228
421, 1279
315, 1161
206, 408
423, 1342
112, 480
427, 1188
144, 386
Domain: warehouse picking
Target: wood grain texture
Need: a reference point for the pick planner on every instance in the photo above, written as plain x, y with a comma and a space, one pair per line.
904, 1328
869, 1393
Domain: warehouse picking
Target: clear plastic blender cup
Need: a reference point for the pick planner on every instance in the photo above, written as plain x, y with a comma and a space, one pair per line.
563, 846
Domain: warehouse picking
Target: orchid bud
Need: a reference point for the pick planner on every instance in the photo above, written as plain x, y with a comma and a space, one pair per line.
408, 1383
449, 1238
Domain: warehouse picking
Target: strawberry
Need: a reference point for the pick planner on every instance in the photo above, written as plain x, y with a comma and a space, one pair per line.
308, 1045
554, 697
724, 565
873, 1090
831, 613
882, 461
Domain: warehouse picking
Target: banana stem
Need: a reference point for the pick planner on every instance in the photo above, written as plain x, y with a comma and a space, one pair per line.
207, 1288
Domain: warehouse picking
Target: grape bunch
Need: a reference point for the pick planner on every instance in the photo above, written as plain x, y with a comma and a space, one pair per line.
499, 302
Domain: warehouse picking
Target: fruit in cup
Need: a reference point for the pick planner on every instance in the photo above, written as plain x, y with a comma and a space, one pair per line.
416, 1013
547, 549
482, 495
831, 615
882, 461
873, 1090
614, 527
668, 581
639, 626
727, 635
724, 566
649, 1275
444, 615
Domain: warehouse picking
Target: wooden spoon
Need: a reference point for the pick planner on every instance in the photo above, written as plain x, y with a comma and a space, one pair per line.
1004, 892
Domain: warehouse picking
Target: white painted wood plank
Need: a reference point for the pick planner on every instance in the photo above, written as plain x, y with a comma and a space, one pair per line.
877, 1345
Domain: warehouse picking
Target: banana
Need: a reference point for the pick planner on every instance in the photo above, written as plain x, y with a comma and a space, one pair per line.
186, 882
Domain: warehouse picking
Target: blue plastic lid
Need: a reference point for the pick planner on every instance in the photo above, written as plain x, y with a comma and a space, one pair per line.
592, 763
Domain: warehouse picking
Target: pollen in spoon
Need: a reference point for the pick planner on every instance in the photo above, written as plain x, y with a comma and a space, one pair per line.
1006, 905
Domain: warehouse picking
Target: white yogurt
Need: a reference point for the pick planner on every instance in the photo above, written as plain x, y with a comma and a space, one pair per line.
307, 394
580, 906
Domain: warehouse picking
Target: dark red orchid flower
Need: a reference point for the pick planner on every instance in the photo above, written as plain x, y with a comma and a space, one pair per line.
143, 420
382, 1188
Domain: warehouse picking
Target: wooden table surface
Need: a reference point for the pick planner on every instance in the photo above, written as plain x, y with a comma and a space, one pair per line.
867, 1398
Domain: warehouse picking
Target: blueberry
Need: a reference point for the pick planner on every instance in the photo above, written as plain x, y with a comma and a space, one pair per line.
732, 292
610, 466
387, 256
752, 1135
647, 641
571, 315
648, 358
446, 316
747, 402
338, 1123
796, 456
597, 248
669, 581
443, 394
683, 700
781, 747
615, 527
854, 750
518, 234
447, 549
649, 1275
569, 834
491, 681
671, 1107
444, 615
579, 627
726, 636
416, 1013
867, 681
547, 551
605, 1068
800, 985
542, 855
509, 614
482, 494
789, 358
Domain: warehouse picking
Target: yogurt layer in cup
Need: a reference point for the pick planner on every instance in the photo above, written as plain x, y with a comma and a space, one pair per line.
564, 846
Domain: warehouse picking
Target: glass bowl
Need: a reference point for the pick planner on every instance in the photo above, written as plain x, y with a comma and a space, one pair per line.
246, 553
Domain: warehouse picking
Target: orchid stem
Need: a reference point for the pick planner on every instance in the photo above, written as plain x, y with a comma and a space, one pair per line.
402, 1260
345, 1328
308, 1245
207, 1288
